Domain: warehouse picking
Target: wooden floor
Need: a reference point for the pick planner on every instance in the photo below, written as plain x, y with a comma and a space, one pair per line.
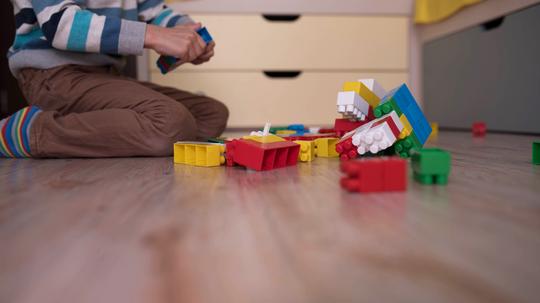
143, 230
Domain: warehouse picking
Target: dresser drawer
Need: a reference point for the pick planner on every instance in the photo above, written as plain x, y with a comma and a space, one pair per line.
254, 98
312, 42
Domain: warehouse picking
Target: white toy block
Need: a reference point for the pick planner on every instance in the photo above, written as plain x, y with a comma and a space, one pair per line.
351, 105
376, 139
377, 135
375, 87
314, 129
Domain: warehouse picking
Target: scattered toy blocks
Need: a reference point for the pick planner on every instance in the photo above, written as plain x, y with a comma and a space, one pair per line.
374, 175
434, 131
363, 91
164, 63
326, 147
536, 153
273, 130
479, 129
307, 150
431, 165
262, 156
309, 137
199, 154
300, 129
285, 132
314, 130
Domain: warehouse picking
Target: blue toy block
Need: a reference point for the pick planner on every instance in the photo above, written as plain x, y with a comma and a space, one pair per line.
404, 100
299, 128
164, 63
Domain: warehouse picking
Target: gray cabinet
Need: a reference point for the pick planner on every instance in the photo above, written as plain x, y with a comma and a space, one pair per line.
486, 73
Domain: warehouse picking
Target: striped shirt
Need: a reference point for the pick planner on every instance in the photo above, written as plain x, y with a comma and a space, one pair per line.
50, 33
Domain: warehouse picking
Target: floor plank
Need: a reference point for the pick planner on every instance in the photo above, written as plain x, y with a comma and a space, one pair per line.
144, 230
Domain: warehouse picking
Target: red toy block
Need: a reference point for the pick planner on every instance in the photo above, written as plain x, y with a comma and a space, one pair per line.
343, 126
346, 149
327, 131
262, 156
479, 129
375, 175
309, 137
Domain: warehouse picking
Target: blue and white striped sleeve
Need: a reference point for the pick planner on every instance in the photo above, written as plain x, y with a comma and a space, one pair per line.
68, 27
157, 13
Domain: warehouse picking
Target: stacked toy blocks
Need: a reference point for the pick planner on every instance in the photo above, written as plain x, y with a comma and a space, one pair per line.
401, 101
431, 165
261, 156
199, 154
479, 129
165, 63
374, 175
536, 153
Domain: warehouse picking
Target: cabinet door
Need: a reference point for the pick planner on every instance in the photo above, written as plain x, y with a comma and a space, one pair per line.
486, 73
247, 42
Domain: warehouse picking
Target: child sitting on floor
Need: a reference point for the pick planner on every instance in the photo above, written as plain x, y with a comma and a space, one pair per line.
66, 57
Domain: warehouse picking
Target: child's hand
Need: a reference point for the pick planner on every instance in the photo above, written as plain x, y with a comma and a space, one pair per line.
181, 41
207, 55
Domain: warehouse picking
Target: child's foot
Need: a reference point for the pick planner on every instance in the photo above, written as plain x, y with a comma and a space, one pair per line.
15, 133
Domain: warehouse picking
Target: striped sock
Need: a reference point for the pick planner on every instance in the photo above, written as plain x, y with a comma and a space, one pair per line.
15, 133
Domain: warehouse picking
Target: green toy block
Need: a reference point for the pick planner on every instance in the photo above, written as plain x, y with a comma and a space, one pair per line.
273, 130
404, 147
536, 153
386, 108
431, 165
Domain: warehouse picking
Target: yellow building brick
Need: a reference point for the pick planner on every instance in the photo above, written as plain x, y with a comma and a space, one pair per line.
434, 131
264, 139
326, 147
199, 153
307, 151
407, 128
363, 91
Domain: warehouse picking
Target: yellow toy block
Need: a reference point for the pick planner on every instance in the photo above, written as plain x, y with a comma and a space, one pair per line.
407, 128
307, 150
265, 139
434, 131
363, 91
326, 147
285, 132
199, 153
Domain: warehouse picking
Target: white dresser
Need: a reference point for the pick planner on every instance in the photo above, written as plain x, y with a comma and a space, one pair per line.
288, 68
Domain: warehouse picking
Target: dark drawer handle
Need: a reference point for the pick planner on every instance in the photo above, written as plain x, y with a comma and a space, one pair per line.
493, 24
281, 18
282, 74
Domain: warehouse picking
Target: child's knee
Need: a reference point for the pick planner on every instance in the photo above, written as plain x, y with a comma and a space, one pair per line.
172, 122
217, 120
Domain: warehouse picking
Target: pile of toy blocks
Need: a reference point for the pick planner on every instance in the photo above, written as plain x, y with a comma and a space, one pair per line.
375, 137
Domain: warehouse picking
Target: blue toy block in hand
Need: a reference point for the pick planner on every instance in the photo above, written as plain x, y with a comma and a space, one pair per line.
164, 63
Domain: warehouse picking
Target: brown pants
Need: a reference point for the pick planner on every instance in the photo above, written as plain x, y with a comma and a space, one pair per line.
92, 112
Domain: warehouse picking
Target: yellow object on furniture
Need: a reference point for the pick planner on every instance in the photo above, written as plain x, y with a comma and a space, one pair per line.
430, 11
199, 153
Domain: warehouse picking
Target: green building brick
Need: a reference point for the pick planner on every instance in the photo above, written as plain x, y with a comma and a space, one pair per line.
536, 153
404, 147
431, 165
386, 108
